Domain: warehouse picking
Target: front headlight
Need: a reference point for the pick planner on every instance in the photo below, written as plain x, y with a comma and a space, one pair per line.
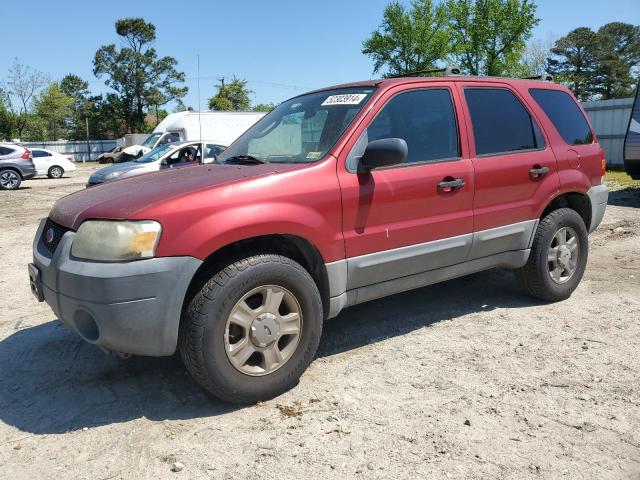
116, 241
112, 175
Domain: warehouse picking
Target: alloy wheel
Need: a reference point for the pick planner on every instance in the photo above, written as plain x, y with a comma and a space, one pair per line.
9, 179
563, 255
263, 330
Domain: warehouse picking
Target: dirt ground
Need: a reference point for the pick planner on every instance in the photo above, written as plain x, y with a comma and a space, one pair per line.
467, 379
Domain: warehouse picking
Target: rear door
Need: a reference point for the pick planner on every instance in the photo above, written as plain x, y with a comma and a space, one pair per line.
41, 159
400, 220
515, 169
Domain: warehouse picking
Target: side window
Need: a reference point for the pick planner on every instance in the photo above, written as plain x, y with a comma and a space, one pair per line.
500, 122
425, 119
5, 151
564, 114
213, 150
40, 153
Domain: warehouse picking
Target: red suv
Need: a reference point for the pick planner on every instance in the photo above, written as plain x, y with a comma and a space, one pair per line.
336, 197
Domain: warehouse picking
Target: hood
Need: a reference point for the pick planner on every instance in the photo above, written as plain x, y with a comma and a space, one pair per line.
121, 199
99, 175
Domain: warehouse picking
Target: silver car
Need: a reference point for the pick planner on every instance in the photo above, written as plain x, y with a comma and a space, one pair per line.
179, 154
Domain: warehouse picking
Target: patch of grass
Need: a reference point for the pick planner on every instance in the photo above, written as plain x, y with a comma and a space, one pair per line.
618, 179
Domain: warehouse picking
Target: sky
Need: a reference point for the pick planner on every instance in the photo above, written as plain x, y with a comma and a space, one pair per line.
281, 47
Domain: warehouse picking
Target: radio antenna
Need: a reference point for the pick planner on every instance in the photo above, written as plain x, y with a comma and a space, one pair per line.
199, 108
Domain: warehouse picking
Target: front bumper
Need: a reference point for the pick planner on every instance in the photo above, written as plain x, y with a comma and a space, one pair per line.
130, 307
598, 195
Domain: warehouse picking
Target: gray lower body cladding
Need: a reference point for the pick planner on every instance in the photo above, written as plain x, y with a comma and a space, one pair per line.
131, 307
367, 277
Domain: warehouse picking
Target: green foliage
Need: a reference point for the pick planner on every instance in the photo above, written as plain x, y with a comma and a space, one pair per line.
264, 107
231, 97
22, 86
598, 64
490, 35
134, 71
410, 39
53, 107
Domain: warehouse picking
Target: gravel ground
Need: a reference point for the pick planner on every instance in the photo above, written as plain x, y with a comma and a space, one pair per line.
467, 379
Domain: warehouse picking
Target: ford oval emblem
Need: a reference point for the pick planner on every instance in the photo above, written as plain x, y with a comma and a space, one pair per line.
50, 235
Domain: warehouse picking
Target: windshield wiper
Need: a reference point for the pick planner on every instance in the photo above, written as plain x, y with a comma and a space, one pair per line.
248, 159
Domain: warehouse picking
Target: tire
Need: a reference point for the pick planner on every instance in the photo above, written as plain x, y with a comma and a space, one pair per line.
55, 172
10, 179
540, 275
206, 329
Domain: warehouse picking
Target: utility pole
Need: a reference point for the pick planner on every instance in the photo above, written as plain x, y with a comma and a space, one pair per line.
221, 80
86, 121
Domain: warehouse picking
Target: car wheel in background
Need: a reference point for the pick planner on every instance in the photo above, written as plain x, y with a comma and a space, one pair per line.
55, 172
252, 329
9, 180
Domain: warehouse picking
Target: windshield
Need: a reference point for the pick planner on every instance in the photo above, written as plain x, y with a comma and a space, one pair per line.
151, 140
300, 130
155, 154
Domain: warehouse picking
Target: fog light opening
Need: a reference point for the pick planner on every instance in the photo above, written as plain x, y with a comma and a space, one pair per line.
86, 326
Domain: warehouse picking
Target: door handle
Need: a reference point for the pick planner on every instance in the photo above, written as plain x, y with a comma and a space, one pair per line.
537, 171
450, 185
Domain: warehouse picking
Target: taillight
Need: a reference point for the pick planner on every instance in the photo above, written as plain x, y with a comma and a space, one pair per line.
27, 154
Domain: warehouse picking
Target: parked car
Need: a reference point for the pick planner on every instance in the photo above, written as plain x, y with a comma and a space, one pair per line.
336, 197
179, 154
112, 156
52, 164
190, 125
16, 165
632, 140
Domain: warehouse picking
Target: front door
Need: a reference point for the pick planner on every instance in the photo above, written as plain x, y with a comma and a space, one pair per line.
416, 216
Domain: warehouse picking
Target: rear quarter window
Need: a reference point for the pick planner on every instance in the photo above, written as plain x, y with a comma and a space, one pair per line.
5, 151
565, 115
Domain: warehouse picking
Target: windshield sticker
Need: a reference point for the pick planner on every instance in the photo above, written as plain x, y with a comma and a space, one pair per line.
313, 155
346, 99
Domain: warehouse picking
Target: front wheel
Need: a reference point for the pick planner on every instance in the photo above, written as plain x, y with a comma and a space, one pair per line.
55, 172
558, 256
253, 329
10, 180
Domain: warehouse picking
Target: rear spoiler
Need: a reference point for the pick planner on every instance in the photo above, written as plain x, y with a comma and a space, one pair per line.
632, 140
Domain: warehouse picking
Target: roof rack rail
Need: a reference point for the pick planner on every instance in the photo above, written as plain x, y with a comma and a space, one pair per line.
545, 77
448, 71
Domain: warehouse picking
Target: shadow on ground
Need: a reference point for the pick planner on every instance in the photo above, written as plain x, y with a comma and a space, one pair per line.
627, 197
53, 382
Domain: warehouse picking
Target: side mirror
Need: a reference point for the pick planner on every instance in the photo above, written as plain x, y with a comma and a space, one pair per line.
382, 153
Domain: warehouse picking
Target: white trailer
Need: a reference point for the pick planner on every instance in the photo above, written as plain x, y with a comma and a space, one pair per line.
223, 127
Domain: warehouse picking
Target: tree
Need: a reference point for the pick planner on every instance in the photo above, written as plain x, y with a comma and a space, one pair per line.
264, 107
54, 108
135, 72
410, 40
231, 97
574, 61
618, 54
534, 60
490, 35
21, 88
78, 90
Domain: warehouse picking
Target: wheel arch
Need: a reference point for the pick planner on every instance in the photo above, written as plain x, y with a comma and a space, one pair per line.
578, 201
295, 247
15, 169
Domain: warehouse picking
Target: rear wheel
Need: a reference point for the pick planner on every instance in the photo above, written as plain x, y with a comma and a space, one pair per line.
558, 256
10, 180
55, 172
252, 329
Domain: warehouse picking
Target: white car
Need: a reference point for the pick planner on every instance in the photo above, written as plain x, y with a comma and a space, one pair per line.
50, 163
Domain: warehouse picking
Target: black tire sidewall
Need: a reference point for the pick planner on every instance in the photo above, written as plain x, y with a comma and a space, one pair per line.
571, 219
219, 367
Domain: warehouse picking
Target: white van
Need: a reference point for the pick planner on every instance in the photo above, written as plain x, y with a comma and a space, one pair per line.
223, 127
